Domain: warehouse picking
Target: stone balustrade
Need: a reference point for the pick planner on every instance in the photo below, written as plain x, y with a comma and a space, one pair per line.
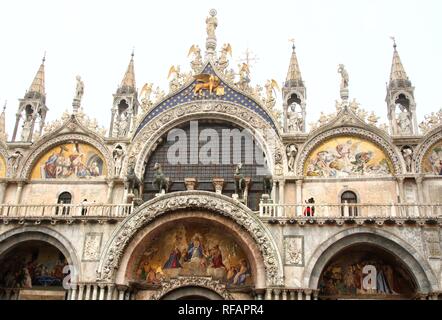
347, 211
283, 293
99, 291
65, 211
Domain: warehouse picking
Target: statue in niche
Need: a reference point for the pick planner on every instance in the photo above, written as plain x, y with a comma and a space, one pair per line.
14, 161
404, 120
118, 154
291, 156
123, 124
294, 118
160, 181
240, 182
407, 153
26, 130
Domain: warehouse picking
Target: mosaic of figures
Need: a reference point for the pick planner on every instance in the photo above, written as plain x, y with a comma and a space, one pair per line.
193, 249
73, 160
347, 156
433, 160
32, 264
345, 276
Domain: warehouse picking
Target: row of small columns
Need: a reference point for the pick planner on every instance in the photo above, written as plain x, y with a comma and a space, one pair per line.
99, 291
286, 294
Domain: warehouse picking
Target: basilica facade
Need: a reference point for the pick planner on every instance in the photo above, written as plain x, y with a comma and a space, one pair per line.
211, 190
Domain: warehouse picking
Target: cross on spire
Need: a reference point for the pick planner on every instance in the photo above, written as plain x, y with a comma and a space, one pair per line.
249, 57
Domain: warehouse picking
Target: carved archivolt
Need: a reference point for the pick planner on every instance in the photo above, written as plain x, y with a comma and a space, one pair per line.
145, 140
219, 204
353, 131
180, 282
424, 147
49, 143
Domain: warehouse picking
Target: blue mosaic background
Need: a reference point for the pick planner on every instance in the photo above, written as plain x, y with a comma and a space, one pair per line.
186, 95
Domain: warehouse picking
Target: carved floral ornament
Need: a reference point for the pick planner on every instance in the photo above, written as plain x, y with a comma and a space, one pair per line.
218, 204
49, 142
352, 131
180, 282
145, 141
423, 149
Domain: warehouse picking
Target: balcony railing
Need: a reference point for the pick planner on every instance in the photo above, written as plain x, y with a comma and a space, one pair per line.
346, 210
65, 211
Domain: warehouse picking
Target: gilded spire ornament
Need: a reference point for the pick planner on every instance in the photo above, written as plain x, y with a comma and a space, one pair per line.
397, 69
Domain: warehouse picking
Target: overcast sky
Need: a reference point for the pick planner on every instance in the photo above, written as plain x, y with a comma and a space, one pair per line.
95, 38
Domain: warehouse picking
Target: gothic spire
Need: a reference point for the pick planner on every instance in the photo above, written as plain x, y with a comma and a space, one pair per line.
294, 77
397, 69
129, 77
38, 84
2, 123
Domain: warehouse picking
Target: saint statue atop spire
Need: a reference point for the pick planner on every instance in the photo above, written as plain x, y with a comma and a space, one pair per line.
79, 91
211, 25
344, 82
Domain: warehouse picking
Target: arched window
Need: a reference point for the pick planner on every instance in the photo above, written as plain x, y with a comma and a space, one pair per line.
64, 198
349, 197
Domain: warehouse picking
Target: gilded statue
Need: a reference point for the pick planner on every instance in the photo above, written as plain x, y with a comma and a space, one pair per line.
344, 76
207, 82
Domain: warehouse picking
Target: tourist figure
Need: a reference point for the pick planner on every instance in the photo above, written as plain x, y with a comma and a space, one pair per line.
309, 210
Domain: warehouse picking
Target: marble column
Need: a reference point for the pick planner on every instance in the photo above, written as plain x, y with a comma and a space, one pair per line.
110, 191
101, 289
401, 193
299, 197
88, 292
268, 295
19, 192
110, 292
3, 186
281, 198
94, 292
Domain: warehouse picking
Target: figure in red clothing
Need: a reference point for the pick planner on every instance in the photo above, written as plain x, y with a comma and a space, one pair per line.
309, 211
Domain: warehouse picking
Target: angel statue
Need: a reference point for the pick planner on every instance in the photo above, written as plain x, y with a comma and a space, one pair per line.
145, 94
223, 61
175, 83
271, 86
244, 76
211, 24
197, 62
372, 119
344, 76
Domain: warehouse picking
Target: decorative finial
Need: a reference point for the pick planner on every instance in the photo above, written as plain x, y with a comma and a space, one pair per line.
44, 58
292, 40
133, 52
394, 42
4, 106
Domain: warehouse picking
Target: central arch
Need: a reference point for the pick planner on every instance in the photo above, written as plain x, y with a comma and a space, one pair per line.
240, 219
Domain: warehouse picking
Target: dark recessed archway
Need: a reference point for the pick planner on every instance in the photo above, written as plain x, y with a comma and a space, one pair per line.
366, 271
192, 293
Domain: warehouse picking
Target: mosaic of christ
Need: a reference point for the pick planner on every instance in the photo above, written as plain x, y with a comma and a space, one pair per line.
193, 249
347, 156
